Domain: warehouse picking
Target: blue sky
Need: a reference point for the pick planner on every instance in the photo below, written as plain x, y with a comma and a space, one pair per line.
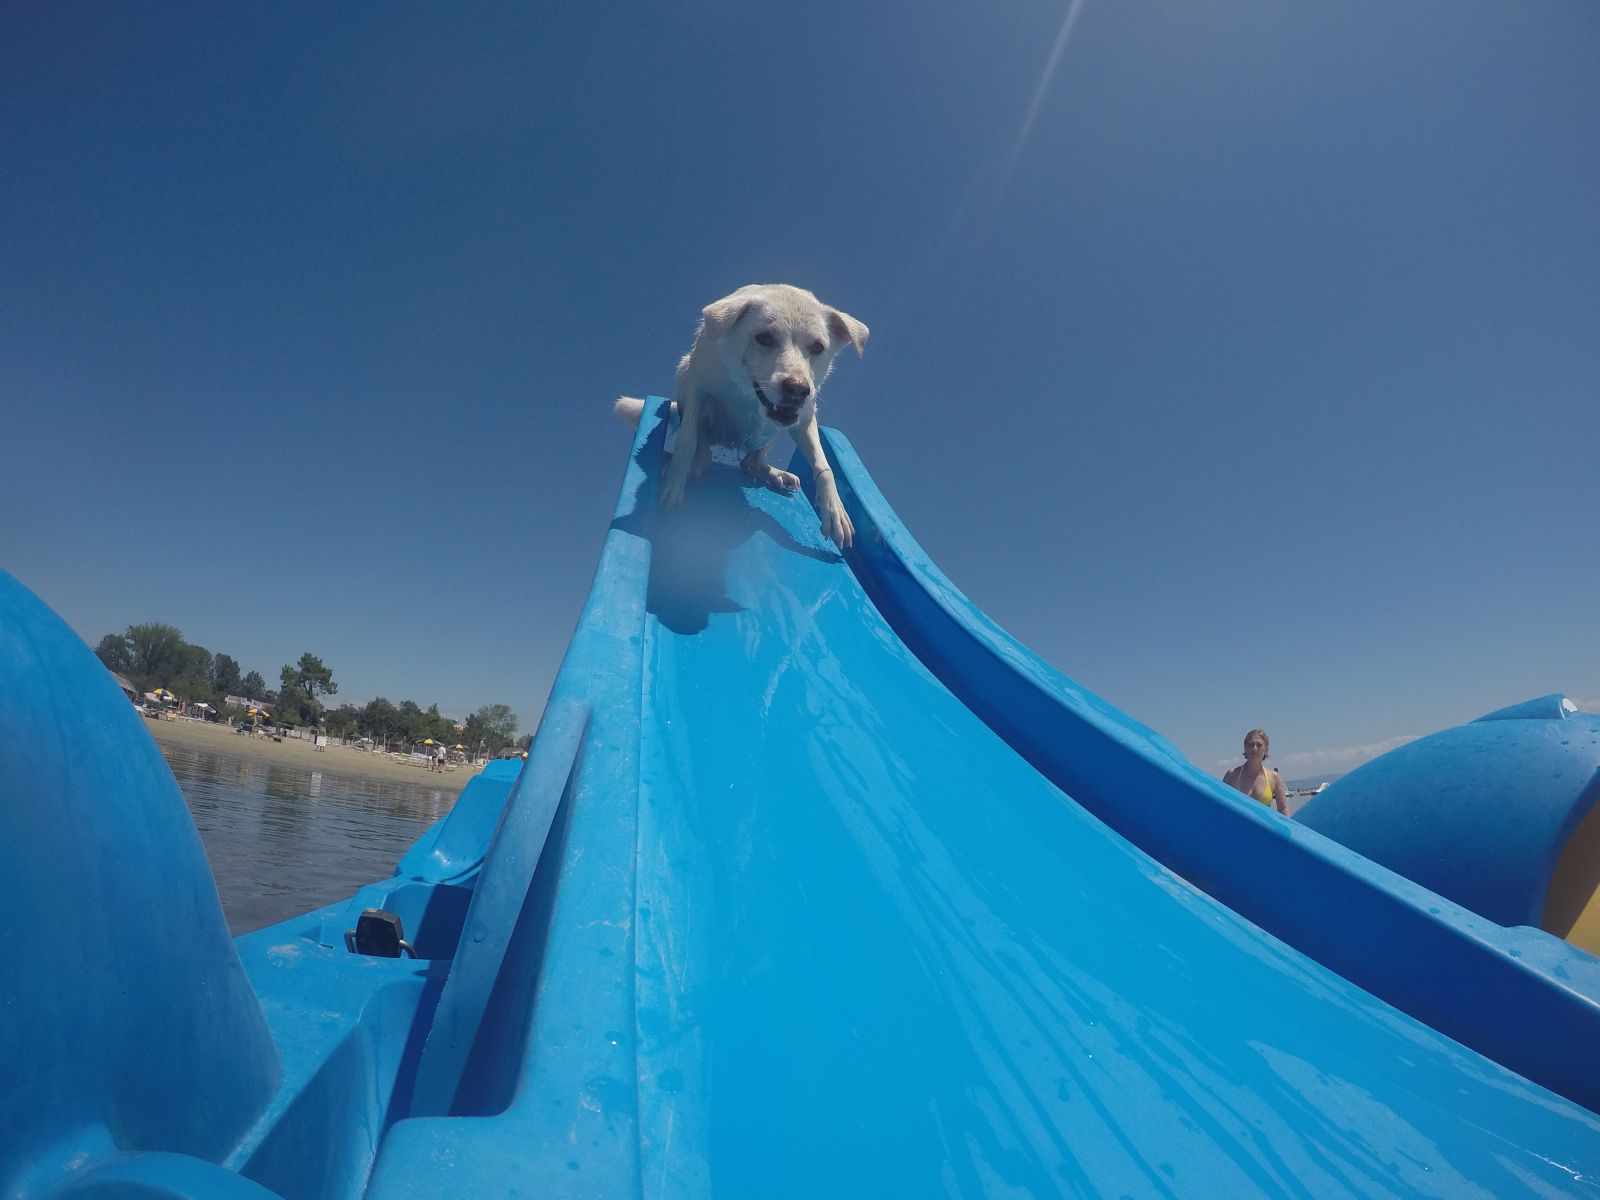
1242, 358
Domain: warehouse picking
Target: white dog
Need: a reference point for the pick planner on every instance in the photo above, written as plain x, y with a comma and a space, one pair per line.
757, 361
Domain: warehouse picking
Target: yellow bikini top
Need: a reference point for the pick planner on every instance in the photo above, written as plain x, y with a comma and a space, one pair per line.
1266, 778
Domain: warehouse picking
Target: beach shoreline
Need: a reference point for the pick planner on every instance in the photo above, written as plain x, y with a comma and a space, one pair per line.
296, 752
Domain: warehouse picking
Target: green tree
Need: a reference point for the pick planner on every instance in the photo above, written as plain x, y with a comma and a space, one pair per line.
344, 720
115, 652
158, 654
192, 689
198, 663
225, 676
438, 726
310, 676
491, 729
293, 707
254, 686
412, 722
380, 719
302, 687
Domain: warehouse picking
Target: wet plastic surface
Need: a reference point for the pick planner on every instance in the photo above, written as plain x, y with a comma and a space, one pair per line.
1479, 813
866, 949
771, 911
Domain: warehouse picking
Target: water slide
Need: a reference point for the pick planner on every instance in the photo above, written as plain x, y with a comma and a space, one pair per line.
816, 883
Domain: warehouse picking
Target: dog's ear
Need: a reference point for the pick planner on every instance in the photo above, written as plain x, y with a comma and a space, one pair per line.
842, 327
722, 315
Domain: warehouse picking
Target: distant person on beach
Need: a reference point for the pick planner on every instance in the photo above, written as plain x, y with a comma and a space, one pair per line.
1254, 778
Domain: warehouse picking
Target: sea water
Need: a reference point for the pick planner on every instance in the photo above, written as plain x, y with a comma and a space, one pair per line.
283, 840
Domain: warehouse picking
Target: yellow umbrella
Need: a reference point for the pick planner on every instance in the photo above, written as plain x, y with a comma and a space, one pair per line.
427, 741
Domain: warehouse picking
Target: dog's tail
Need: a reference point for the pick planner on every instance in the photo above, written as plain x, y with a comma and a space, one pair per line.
630, 408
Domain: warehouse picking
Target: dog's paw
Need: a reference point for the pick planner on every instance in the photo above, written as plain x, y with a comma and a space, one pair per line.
672, 491
781, 481
768, 476
836, 524
701, 461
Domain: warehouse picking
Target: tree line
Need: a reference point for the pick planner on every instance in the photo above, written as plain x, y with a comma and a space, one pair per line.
154, 655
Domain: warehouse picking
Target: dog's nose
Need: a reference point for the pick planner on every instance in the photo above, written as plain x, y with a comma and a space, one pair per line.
795, 391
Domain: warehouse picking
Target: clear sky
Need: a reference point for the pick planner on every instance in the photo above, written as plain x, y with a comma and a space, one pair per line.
1243, 358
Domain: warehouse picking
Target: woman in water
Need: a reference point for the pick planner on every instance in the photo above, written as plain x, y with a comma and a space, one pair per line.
1254, 778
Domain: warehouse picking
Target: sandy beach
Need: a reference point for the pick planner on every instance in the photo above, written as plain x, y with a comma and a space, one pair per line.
335, 759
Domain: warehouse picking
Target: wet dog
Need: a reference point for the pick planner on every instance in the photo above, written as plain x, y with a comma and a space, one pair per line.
758, 358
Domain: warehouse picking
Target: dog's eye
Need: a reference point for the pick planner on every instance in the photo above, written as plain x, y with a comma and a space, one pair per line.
765, 339
817, 348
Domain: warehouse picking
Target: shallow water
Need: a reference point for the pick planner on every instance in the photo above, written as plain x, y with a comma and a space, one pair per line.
283, 840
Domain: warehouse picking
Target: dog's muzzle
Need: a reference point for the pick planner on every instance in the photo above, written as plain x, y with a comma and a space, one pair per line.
783, 414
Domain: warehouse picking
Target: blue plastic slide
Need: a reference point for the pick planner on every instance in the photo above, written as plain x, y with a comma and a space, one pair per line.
817, 884
818, 930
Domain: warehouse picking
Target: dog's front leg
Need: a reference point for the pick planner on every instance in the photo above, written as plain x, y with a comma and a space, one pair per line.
830, 509
756, 466
676, 476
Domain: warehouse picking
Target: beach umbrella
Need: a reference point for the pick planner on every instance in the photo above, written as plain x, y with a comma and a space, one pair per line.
427, 741
458, 746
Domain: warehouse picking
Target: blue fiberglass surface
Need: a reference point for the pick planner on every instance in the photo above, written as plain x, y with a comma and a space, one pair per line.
142, 1052
126, 1020
1520, 996
870, 950
867, 924
801, 892
1479, 813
